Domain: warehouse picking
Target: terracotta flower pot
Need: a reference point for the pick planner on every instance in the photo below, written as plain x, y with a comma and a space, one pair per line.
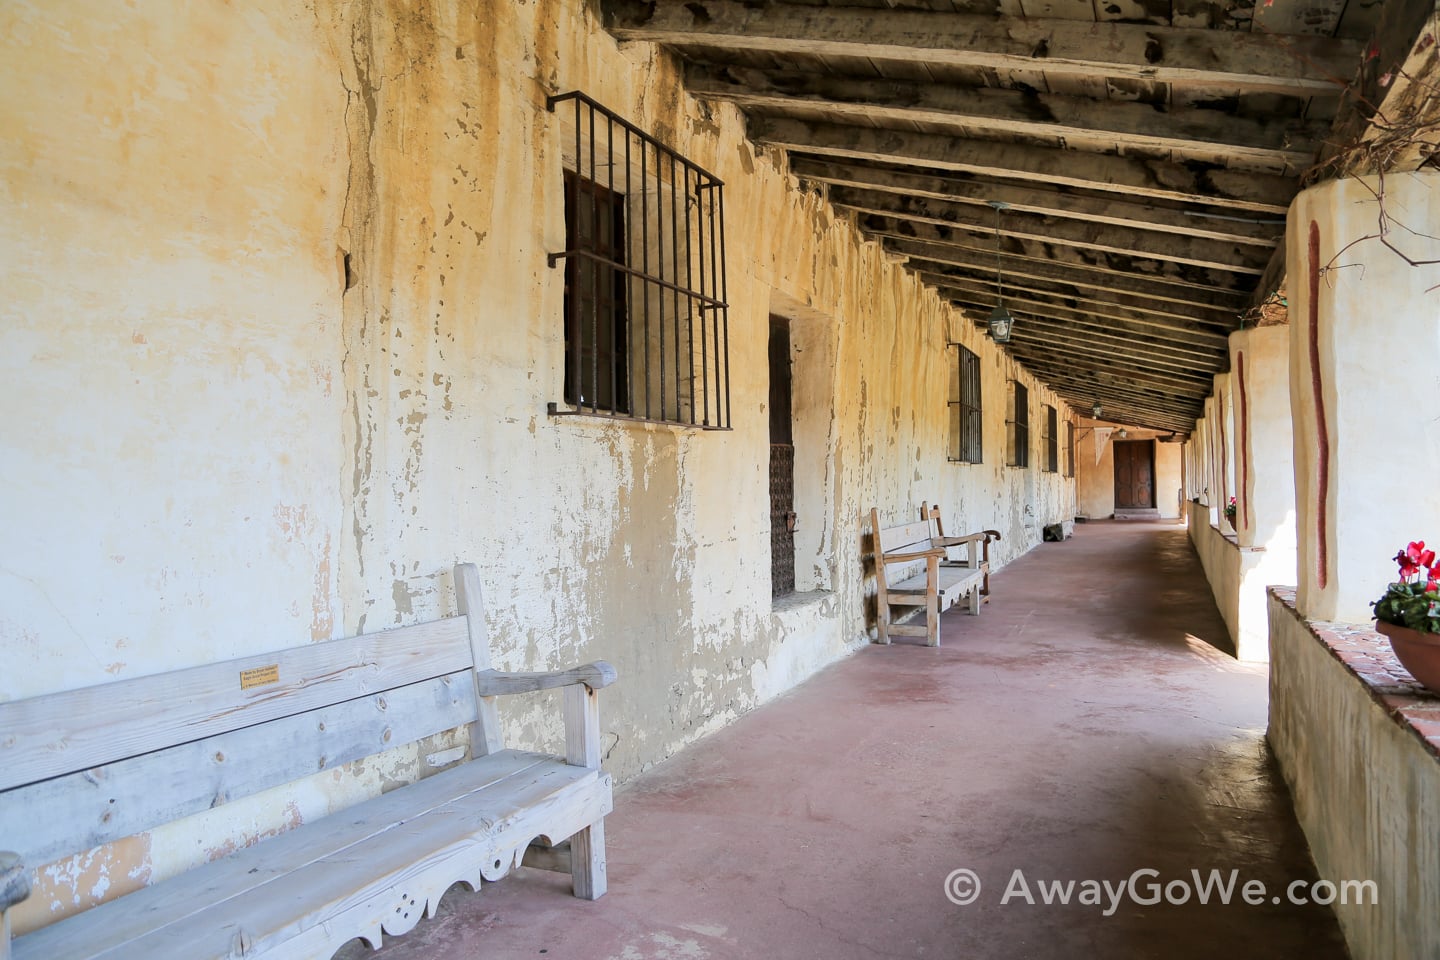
1417, 652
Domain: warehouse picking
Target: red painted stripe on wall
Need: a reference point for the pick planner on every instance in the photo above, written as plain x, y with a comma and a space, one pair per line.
1242, 495
1322, 429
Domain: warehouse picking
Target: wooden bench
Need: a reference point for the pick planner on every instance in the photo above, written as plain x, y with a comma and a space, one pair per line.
937, 588
86, 767
932, 514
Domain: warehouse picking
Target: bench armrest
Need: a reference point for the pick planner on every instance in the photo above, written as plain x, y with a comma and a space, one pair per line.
493, 683
14, 880
913, 555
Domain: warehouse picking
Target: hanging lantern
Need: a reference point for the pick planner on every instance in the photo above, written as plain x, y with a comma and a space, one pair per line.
1001, 321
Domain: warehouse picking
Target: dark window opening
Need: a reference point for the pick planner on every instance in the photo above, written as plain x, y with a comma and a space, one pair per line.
595, 318
965, 411
1069, 448
1019, 425
1052, 440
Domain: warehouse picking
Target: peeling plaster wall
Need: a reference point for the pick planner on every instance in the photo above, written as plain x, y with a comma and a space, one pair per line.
280, 334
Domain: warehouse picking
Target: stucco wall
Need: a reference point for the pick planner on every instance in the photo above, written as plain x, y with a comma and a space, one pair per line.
1364, 344
215, 448
1238, 578
1366, 793
1095, 479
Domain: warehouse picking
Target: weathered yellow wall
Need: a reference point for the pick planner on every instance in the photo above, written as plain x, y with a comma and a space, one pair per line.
214, 449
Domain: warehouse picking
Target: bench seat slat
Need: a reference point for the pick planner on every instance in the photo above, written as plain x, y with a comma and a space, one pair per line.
312, 874
103, 804
61, 733
952, 581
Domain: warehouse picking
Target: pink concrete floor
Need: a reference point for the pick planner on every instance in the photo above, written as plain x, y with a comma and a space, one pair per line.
1083, 727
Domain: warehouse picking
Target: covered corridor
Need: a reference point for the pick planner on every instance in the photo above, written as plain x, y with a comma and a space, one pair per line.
1088, 724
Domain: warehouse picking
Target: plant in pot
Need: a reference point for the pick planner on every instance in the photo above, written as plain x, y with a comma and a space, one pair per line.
1230, 510
1409, 614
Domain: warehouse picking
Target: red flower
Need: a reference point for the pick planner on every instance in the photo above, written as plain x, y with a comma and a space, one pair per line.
1414, 557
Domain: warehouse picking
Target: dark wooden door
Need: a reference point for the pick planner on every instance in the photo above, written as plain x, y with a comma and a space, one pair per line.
1134, 474
782, 463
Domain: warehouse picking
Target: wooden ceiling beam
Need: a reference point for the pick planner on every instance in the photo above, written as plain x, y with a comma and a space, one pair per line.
1207, 254
1083, 393
1074, 257
983, 275
1104, 318
1261, 193
1131, 416
1227, 303
1138, 382
1242, 61
1044, 201
1175, 360
1282, 146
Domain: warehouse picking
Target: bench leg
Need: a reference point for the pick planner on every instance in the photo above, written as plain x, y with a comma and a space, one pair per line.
582, 749
932, 602
587, 862
975, 601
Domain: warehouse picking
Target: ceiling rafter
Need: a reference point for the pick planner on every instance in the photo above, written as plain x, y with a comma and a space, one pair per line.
1130, 176
1254, 62
983, 275
1046, 201
1207, 254
1227, 303
1188, 133
1108, 319
882, 225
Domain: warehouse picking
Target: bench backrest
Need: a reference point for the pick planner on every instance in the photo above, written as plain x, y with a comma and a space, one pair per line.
86, 767
896, 539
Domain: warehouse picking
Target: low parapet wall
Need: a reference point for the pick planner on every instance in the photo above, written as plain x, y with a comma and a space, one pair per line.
1358, 742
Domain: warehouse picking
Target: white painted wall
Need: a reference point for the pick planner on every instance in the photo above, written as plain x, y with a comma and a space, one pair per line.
1372, 320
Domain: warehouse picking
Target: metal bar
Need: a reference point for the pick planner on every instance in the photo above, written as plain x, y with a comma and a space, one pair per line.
659, 281
675, 265
660, 266
617, 224
724, 311
551, 101
704, 339
629, 338
689, 284
594, 278
645, 263
573, 270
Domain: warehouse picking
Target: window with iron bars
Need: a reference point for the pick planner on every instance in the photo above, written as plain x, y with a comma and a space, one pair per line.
1019, 423
1069, 448
646, 322
1051, 428
965, 413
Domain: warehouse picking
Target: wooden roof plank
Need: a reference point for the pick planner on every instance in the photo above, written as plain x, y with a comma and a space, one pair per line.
1257, 62
1286, 146
1208, 254
1194, 183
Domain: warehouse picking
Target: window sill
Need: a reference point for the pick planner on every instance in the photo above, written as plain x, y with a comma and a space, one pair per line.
585, 416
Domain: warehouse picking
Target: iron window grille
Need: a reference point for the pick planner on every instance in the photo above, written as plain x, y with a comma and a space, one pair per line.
1019, 424
1052, 440
646, 320
1069, 448
965, 414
